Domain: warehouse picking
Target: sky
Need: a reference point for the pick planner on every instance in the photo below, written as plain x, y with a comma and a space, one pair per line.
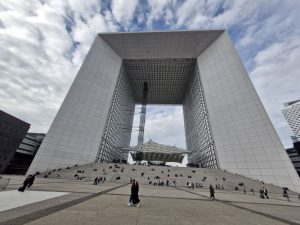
43, 44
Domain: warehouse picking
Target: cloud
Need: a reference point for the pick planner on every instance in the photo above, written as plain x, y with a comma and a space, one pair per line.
275, 79
160, 11
39, 55
193, 14
164, 124
123, 11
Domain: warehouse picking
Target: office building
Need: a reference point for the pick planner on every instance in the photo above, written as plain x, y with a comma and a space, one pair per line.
12, 131
226, 125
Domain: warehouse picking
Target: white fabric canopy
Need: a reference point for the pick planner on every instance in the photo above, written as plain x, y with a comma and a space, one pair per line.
152, 151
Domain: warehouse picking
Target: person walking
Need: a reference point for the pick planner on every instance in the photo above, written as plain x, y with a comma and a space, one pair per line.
285, 194
266, 192
212, 192
27, 183
31, 180
132, 181
135, 194
134, 197
96, 181
261, 193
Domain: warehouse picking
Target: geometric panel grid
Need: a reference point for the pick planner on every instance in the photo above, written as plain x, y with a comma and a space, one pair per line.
198, 132
118, 127
167, 79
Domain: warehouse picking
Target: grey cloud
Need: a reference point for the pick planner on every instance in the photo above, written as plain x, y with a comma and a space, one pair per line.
164, 124
275, 77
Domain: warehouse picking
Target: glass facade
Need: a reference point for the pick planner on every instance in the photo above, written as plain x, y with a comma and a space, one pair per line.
198, 132
118, 128
25, 153
291, 113
295, 158
12, 131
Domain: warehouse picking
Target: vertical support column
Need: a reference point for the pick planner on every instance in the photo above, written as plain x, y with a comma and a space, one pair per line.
245, 139
143, 115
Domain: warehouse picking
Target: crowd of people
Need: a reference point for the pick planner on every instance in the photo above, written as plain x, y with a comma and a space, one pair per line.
99, 180
168, 183
134, 197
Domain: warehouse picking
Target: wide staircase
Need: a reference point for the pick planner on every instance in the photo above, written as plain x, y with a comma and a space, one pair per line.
123, 173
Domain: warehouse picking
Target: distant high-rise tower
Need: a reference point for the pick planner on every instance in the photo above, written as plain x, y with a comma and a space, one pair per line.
143, 115
291, 113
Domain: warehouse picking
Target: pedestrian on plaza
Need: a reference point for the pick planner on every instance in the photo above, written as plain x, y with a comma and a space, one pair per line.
266, 192
285, 194
134, 197
31, 180
96, 181
135, 194
132, 181
212, 192
27, 183
261, 193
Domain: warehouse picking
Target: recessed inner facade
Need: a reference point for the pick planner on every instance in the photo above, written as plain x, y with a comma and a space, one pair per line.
167, 79
170, 81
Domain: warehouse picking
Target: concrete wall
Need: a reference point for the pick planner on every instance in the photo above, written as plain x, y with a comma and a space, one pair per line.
76, 131
245, 140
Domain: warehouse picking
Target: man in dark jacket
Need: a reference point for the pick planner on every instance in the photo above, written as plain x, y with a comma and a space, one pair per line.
134, 197
212, 192
135, 193
266, 192
28, 182
31, 180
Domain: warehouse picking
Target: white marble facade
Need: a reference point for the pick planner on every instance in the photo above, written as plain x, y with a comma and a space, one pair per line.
244, 138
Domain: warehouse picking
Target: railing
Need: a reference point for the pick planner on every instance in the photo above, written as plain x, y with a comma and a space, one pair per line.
4, 182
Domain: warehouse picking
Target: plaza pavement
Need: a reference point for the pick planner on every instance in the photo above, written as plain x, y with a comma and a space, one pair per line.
83, 203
